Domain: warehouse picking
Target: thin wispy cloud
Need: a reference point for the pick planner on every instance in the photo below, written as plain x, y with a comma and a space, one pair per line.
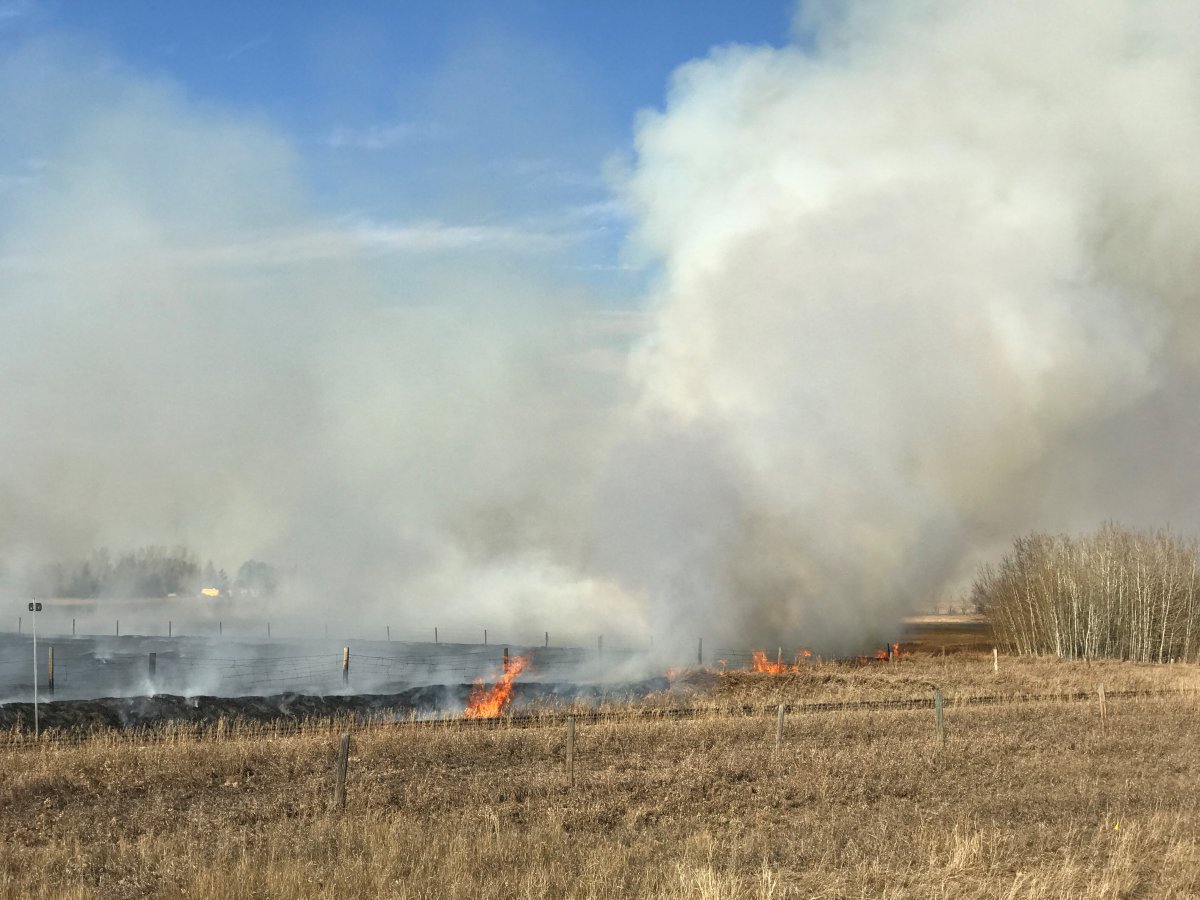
248, 47
548, 170
339, 240
11, 10
438, 236
382, 136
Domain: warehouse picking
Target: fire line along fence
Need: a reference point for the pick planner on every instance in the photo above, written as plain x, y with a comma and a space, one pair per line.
89, 668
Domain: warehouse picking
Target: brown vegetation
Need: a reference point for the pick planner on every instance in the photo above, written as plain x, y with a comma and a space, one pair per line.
1035, 799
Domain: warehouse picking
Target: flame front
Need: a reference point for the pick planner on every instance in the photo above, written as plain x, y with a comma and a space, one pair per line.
760, 663
489, 703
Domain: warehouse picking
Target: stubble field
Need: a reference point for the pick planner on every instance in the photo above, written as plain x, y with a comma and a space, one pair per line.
1028, 797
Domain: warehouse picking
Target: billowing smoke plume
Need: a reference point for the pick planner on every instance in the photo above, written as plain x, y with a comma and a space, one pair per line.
918, 271
923, 278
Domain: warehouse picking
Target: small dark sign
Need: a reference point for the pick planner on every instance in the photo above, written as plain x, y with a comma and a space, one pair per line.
35, 607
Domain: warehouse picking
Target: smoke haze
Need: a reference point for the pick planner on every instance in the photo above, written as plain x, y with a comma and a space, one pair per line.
922, 279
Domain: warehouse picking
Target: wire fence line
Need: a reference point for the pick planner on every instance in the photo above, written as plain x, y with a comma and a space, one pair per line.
231, 727
77, 671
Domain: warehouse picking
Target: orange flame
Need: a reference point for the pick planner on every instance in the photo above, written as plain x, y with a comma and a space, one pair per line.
760, 663
489, 703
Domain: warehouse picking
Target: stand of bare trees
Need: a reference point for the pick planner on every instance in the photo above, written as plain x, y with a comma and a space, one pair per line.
1115, 593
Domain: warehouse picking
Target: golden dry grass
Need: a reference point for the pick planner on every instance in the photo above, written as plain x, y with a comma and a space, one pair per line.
1026, 800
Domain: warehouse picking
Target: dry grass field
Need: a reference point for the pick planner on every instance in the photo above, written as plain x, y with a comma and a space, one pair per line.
1035, 799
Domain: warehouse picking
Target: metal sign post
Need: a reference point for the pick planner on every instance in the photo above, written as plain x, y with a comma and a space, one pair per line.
35, 608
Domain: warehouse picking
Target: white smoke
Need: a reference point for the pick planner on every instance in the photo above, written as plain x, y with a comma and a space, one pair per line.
191, 353
908, 264
923, 279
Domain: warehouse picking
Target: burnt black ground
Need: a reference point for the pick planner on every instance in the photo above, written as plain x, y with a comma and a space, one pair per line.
422, 701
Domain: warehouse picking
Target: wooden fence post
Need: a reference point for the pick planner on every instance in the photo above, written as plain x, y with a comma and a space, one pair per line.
169, 627
995, 660
1103, 709
571, 751
152, 667
435, 635
343, 762
504, 661
939, 719
50, 670
547, 639
700, 653
345, 665
779, 728
600, 645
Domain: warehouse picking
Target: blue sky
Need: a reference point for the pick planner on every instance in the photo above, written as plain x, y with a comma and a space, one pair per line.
467, 113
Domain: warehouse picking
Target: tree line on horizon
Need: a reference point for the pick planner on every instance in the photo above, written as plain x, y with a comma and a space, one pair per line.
151, 571
1115, 593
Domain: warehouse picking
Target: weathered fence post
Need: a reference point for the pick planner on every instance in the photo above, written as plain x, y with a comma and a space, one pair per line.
571, 751
169, 627
485, 637
600, 645
152, 667
435, 634
504, 661
1103, 708
779, 728
268, 631
345, 665
939, 718
700, 653
343, 762
118, 627
50, 670
547, 639
389, 633
72, 628
995, 660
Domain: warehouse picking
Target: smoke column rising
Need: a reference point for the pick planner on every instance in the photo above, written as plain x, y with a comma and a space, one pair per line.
914, 270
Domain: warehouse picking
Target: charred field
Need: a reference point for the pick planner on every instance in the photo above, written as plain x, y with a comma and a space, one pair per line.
1035, 793
416, 703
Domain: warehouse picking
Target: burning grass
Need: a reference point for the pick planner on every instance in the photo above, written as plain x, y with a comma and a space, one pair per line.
1029, 800
490, 702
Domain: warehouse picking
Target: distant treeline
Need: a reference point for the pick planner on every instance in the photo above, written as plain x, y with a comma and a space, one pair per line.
150, 572
1115, 593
